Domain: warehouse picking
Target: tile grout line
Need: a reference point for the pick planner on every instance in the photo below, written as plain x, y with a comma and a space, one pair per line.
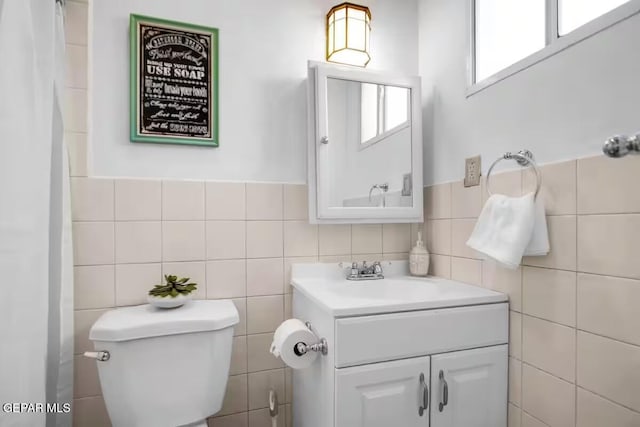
575, 389
635, 411
533, 316
547, 372
637, 346
246, 285
206, 276
535, 418
115, 280
521, 340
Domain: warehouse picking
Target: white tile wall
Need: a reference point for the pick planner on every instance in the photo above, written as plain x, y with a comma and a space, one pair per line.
225, 201
94, 286
296, 204
551, 399
226, 278
549, 346
76, 23
183, 200
138, 200
574, 340
75, 104
572, 311
264, 239
183, 241
609, 368
94, 199
227, 237
300, 238
334, 239
93, 243
265, 276
596, 411
366, 239
264, 201
549, 294
609, 306
138, 242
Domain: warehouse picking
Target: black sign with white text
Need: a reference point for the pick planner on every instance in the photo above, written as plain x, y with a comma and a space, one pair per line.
174, 82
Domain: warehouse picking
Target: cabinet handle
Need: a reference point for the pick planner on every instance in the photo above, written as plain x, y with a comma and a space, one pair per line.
425, 396
324, 140
445, 392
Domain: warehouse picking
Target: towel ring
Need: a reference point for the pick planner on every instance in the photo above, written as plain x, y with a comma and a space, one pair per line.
524, 158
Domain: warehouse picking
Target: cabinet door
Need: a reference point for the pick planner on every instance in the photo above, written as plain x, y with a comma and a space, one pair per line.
469, 388
383, 394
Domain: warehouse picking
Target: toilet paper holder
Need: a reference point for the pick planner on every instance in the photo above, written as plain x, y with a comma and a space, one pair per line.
302, 348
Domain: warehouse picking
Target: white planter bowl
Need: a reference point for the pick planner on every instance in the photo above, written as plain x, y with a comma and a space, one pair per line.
168, 301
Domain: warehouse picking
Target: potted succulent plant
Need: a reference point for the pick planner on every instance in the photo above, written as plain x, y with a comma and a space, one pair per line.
174, 293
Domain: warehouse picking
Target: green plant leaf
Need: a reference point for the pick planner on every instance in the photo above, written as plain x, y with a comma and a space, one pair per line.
173, 287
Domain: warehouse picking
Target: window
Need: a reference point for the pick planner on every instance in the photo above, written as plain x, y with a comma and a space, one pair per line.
508, 36
383, 111
506, 32
575, 13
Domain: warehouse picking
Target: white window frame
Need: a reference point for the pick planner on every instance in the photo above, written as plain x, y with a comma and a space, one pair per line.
554, 42
382, 121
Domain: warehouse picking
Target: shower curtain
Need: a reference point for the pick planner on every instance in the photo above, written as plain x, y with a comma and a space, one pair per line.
36, 285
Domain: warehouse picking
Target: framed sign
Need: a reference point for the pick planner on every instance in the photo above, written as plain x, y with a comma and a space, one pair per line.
174, 82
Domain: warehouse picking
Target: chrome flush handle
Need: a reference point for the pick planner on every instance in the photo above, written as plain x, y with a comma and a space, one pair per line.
100, 356
425, 396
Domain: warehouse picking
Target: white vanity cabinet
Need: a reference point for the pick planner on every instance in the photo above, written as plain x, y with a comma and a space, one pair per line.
383, 394
402, 352
460, 389
469, 388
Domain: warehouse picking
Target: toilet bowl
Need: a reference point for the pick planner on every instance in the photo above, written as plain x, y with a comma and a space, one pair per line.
164, 367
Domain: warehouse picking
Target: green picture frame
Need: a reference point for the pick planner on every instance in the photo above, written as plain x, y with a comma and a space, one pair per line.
173, 82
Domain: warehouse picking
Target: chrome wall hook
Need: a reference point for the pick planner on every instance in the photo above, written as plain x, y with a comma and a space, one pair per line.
621, 145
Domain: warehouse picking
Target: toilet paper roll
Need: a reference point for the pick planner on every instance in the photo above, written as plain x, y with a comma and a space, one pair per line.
289, 333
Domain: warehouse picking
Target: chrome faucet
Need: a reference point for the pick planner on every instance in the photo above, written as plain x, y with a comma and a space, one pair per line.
366, 272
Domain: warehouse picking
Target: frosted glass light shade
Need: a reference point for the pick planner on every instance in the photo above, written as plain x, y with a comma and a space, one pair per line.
348, 28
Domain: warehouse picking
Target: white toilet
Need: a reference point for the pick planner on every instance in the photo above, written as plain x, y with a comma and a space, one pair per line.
164, 367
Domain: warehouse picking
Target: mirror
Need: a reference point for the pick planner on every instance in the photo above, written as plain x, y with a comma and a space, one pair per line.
369, 131
365, 148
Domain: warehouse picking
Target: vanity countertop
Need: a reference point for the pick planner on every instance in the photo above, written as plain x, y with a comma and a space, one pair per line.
326, 284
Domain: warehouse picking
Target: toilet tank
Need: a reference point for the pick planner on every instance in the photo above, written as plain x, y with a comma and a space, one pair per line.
167, 367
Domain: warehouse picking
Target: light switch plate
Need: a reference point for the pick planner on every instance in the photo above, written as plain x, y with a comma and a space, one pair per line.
472, 171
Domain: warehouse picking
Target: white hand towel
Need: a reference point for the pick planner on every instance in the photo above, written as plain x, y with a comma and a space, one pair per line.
539, 243
510, 227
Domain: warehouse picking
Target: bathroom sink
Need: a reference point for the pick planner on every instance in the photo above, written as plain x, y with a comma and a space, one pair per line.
326, 284
396, 289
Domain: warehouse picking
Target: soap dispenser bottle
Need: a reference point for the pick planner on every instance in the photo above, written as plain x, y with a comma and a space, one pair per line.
419, 258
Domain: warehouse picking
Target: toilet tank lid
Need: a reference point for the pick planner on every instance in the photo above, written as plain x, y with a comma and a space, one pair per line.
146, 321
